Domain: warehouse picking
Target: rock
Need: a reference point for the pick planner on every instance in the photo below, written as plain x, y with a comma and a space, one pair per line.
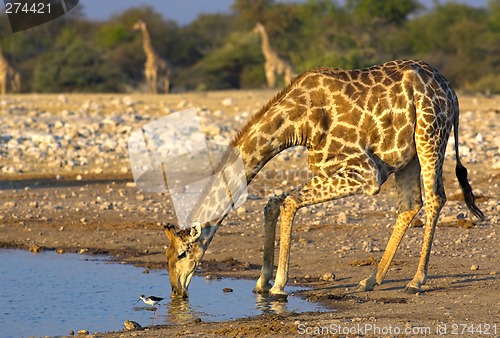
479, 138
417, 223
227, 290
83, 332
278, 191
328, 277
60, 251
35, 248
227, 102
130, 325
342, 218
62, 98
474, 267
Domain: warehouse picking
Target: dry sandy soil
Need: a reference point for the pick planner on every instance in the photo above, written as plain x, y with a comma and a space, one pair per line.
66, 184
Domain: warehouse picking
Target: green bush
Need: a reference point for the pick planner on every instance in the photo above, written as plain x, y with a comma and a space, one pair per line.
76, 68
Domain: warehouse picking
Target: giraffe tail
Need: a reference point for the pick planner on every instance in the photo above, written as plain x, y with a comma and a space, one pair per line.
461, 173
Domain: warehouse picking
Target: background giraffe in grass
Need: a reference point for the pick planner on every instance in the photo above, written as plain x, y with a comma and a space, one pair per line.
359, 127
156, 69
274, 65
9, 77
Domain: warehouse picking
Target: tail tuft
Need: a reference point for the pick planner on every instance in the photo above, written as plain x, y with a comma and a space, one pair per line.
469, 198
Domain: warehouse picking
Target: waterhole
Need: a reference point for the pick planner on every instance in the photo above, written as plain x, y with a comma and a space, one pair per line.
48, 294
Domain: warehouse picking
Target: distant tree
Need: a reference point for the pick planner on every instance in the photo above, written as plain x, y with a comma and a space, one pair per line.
78, 68
200, 37
237, 64
249, 12
388, 12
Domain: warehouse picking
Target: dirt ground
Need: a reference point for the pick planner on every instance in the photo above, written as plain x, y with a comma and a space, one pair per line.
81, 209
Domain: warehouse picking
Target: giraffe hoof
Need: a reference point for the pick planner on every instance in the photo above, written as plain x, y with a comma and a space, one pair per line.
364, 287
262, 289
412, 290
278, 297
367, 284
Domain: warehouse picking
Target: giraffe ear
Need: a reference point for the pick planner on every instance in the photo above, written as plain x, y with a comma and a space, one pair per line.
170, 231
195, 231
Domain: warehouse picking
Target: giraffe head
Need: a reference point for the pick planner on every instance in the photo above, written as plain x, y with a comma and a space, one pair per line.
184, 253
258, 27
139, 25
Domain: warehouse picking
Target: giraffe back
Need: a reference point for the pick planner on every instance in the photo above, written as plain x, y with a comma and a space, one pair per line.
340, 115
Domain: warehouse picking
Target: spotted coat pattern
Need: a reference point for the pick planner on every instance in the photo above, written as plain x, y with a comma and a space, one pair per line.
359, 127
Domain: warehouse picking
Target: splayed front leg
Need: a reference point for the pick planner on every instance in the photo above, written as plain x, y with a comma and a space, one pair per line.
288, 210
271, 214
318, 189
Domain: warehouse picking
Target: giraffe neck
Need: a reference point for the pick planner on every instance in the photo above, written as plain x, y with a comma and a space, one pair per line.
267, 50
265, 136
146, 42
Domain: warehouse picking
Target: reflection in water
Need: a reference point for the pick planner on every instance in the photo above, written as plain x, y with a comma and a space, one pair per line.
179, 311
265, 305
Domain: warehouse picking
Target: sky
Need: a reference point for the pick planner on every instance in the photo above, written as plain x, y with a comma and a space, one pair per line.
185, 11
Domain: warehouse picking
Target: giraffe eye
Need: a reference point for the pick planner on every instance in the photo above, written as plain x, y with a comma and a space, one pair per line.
182, 255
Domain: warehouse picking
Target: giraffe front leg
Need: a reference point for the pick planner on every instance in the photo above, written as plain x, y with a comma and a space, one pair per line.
287, 213
271, 214
319, 189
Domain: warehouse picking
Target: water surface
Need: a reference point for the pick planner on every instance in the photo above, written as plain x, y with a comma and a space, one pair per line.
48, 294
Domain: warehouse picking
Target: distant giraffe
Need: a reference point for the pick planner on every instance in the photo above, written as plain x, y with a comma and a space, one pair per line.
8, 76
359, 126
156, 69
274, 64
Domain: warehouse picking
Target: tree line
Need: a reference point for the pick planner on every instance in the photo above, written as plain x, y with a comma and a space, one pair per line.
220, 51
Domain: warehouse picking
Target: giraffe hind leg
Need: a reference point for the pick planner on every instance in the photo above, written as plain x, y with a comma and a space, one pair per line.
410, 202
431, 156
270, 76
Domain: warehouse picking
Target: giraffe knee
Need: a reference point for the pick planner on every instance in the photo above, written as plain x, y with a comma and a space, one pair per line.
290, 205
272, 206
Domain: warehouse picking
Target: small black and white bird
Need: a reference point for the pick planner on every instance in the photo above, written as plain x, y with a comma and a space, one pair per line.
151, 300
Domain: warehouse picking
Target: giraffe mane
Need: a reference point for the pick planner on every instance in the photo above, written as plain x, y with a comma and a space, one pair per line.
225, 157
277, 97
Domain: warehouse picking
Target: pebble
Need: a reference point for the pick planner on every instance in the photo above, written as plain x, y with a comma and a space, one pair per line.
35, 248
328, 277
130, 325
83, 332
474, 267
227, 102
342, 218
